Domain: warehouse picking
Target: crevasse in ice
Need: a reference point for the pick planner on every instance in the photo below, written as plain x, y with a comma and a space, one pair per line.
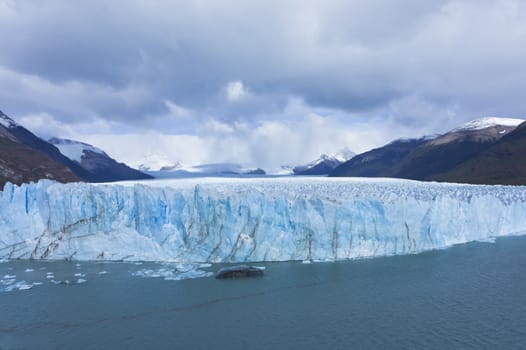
237, 220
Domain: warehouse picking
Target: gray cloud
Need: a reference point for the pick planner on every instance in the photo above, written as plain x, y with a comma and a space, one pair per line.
426, 64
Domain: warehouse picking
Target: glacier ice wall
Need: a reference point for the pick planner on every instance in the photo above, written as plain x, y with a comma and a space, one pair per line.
234, 220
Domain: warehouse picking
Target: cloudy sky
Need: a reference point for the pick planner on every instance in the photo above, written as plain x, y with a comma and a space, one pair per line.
262, 83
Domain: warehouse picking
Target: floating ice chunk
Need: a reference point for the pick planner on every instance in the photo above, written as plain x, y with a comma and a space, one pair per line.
182, 272
7, 282
189, 275
9, 276
147, 273
185, 267
38, 283
50, 276
28, 270
78, 274
66, 282
487, 240
103, 272
204, 266
81, 280
24, 286
21, 285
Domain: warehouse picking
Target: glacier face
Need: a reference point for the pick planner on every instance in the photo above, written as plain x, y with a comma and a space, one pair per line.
237, 220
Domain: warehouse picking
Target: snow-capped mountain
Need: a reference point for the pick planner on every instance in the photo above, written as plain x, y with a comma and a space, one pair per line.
25, 157
436, 158
324, 164
94, 160
501, 163
75, 150
488, 122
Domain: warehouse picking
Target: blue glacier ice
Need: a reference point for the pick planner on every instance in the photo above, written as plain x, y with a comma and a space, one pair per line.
238, 220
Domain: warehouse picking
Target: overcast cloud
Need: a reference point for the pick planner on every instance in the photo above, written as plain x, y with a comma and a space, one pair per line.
259, 82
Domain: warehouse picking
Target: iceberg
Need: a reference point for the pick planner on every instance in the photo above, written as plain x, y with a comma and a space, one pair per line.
211, 220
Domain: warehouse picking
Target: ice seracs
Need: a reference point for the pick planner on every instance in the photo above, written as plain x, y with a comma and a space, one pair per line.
242, 220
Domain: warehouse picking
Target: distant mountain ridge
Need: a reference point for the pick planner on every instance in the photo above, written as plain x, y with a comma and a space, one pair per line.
211, 169
325, 164
441, 158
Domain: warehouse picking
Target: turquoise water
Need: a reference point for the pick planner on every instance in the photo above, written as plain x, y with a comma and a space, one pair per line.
471, 296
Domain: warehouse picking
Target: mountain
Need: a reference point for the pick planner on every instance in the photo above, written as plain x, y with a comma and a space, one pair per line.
325, 164
26, 157
27, 138
102, 167
379, 162
432, 158
445, 152
21, 163
501, 163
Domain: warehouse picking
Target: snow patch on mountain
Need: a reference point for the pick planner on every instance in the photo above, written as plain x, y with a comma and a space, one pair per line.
487, 122
324, 164
72, 149
344, 155
7, 122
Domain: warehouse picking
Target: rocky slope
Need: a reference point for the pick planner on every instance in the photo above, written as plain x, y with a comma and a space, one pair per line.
26, 157
20, 163
379, 162
501, 163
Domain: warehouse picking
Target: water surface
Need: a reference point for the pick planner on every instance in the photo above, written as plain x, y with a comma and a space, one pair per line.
471, 296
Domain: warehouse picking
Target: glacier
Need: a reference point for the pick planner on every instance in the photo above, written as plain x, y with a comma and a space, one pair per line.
212, 220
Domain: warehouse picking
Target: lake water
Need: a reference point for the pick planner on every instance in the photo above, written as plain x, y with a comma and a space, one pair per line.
471, 296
